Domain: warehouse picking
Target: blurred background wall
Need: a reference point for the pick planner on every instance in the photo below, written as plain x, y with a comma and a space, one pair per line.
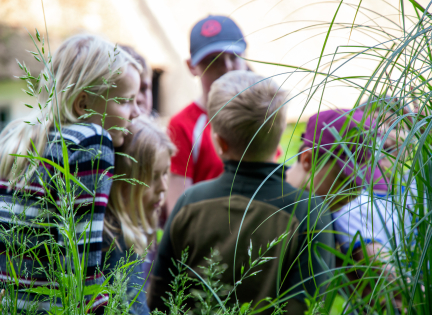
159, 30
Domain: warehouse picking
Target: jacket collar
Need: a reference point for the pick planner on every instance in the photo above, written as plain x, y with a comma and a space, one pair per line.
259, 170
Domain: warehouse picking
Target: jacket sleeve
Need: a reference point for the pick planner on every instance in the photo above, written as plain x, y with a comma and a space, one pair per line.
308, 274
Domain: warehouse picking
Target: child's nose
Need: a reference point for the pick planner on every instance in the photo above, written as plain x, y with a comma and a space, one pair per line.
163, 184
135, 110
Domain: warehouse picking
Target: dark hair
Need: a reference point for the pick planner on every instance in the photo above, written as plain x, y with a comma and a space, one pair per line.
140, 59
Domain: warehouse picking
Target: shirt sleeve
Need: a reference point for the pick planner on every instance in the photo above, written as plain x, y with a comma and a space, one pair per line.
374, 218
180, 137
91, 161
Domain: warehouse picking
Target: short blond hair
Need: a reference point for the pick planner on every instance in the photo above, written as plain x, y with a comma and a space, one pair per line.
237, 120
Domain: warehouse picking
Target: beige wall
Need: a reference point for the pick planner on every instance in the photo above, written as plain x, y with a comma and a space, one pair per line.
159, 29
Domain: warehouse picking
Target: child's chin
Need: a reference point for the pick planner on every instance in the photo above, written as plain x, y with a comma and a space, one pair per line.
157, 206
117, 141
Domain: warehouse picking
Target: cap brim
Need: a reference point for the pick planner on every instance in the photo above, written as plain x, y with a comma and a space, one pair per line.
222, 46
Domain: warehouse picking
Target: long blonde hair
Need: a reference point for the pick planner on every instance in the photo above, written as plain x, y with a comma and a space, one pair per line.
80, 63
125, 212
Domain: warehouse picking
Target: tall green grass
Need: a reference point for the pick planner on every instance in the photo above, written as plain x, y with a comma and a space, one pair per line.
403, 70
398, 91
66, 292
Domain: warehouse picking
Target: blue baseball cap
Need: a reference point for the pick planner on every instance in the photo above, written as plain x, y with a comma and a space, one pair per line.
215, 33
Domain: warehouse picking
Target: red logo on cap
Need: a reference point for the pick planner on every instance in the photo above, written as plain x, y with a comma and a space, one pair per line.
211, 28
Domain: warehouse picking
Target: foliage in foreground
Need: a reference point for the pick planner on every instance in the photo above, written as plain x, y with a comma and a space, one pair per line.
400, 84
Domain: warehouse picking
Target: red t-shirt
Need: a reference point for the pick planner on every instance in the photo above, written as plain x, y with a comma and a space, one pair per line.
185, 130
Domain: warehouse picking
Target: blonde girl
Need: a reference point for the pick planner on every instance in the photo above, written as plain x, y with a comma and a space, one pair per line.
83, 67
131, 217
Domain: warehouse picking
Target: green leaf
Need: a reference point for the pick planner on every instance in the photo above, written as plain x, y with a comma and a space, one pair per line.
44, 291
12, 269
106, 172
58, 167
38, 35
19, 64
33, 53
244, 308
68, 87
133, 181
94, 289
90, 113
37, 58
91, 93
28, 105
126, 155
254, 273
125, 130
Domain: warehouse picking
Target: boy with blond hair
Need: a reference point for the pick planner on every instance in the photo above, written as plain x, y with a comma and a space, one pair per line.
250, 194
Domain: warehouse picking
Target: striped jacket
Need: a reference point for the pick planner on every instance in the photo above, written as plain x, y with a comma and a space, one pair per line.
29, 223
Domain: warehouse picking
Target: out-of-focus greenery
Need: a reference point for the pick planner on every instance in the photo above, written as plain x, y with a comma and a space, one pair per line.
291, 148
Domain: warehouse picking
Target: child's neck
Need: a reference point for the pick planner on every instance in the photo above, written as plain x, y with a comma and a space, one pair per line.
295, 176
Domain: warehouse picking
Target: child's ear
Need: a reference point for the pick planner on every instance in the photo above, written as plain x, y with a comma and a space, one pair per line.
221, 145
79, 105
192, 68
306, 160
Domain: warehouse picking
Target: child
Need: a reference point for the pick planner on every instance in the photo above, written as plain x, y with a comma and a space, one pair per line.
333, 179
215, 43
210, 213
145, 97
340, 184
131, 217
375, 215
354, 208
83, 61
